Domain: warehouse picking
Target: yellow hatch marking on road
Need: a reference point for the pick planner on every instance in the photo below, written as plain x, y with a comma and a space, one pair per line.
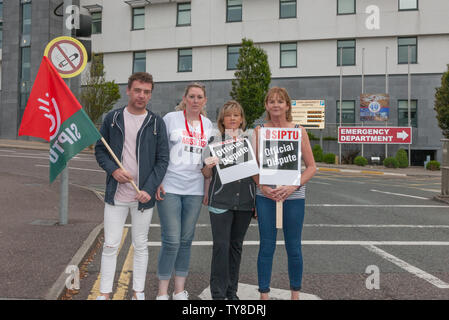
95, 291
125, 276
329, 169
372, 172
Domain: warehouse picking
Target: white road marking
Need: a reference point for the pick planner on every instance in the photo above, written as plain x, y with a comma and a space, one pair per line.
250, 292
377, 205
400, 194
323, 225
376, 226
408, 267
430, 190
328, 242
73, 168
42, 157
317, 182
27, 157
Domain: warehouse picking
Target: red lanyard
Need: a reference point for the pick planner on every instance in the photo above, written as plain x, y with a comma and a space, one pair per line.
187, 126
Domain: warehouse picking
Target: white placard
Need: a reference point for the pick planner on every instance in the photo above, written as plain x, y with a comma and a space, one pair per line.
237, 159
280, 156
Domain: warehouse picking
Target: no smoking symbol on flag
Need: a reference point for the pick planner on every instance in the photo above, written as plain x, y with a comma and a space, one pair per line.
67, 55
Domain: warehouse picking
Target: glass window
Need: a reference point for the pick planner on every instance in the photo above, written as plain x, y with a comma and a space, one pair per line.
403, 113
139, 61
96, 22
183, 18
184, 60
348, 50
287, 9
288, 55
345, 6
1, 34
1, 9
233, 57
138, 18
403, 44
26, 25
347, 112
408, 4
25, 76
233, 10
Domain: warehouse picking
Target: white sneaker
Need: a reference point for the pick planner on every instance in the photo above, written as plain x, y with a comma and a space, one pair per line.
100, 297
164, 297
183, 295
139, 296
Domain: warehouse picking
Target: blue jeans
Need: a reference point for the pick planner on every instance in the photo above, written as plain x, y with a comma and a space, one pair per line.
293, 218
178, 215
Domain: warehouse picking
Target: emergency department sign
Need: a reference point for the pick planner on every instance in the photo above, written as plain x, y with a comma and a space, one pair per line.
67, 55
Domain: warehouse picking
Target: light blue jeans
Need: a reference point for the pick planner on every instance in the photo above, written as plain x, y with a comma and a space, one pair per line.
178, 215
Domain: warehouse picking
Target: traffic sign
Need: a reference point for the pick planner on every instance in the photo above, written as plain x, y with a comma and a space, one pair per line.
309, 113
375, 135
67, 55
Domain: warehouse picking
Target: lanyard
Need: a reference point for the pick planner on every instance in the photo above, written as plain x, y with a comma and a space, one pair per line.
187, 126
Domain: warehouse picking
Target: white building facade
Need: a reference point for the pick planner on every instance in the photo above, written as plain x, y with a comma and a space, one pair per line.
180, 41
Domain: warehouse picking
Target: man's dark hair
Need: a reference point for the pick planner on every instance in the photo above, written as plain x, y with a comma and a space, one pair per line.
144, 77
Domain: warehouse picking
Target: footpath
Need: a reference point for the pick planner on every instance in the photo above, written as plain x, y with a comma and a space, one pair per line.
34, 256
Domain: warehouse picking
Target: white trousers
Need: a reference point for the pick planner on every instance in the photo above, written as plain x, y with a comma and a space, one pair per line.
114, 221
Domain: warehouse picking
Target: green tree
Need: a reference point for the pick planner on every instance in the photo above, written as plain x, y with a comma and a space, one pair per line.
252, 80
98, 96
442, 104
402, 158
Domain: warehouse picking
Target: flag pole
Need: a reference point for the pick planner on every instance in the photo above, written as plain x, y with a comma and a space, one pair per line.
118, 162
64, 188
408, 102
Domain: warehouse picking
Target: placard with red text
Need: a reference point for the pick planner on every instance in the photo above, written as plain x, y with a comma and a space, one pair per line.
280, 156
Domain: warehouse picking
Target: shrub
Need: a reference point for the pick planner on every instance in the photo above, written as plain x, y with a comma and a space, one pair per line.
349, 156
391, 162
360, 161
433, 165
317, 153
329, 158
312, 136
402, 158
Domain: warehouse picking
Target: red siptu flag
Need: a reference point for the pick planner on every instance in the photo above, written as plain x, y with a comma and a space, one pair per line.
53, 113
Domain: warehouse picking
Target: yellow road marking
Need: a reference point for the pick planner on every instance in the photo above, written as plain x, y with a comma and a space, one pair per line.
95, 291
329, 169
125, 276
372, 172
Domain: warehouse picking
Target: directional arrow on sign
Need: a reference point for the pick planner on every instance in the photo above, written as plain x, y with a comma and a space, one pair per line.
250, 292
402, 135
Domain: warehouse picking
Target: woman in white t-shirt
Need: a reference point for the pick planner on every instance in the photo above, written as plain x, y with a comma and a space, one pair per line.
181, 193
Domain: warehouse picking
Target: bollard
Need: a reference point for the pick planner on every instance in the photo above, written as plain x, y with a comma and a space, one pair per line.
445, 169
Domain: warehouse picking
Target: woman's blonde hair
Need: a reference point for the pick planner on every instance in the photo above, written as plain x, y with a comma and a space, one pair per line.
226, 108
181, 106
283, 94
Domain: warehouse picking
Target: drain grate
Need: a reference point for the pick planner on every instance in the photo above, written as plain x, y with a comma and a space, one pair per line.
41, 222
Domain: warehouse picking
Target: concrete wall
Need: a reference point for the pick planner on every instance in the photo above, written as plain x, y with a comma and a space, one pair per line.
45, 26
10, 67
